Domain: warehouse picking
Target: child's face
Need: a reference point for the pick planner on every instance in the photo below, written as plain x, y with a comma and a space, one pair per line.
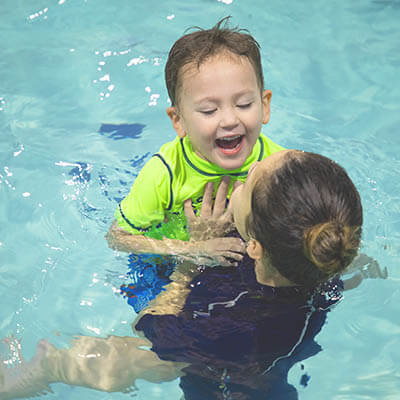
221, 109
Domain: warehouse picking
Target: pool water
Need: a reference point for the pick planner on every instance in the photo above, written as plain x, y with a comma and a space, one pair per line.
72, 69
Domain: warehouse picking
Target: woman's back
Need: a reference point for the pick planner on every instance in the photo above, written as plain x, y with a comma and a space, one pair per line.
237, 335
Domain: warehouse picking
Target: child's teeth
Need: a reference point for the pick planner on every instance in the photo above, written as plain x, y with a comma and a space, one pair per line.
231, 138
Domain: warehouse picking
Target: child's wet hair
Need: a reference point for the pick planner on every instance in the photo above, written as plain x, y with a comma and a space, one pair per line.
307, 217
198, 46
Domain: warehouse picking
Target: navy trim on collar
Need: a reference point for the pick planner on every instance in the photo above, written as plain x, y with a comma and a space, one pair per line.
261, 155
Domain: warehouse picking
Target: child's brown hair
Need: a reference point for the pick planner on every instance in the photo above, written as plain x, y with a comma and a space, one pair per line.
196, 47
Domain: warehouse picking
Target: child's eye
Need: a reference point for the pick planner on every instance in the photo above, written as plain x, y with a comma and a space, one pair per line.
246, 105
208, 112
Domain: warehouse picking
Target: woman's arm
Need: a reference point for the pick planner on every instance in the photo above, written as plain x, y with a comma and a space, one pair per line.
212, 214
214, 251
214, 219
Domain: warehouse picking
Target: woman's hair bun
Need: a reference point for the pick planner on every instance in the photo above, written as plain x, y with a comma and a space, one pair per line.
331, 246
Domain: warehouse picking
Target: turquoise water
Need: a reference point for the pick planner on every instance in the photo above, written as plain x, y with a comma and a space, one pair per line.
67, 67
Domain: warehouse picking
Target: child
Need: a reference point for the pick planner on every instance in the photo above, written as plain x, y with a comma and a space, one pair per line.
215, 82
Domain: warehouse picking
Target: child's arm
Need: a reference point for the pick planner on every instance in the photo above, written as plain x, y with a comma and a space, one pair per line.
363, 267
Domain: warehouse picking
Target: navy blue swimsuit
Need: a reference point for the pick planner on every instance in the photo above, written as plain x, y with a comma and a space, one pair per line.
240, 337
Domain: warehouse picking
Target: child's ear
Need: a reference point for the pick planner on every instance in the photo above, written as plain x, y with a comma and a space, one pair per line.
176, 120
266, 100
254, 249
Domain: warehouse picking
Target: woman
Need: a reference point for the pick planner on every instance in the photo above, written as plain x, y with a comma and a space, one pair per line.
232, 332
241, 329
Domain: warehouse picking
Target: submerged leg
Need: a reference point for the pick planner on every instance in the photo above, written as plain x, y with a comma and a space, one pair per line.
111, 364
25, 380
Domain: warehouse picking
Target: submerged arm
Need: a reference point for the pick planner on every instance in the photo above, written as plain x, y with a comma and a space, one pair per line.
214, 251
121, 240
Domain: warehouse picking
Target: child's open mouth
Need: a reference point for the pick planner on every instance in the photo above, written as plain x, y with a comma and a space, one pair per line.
230, 145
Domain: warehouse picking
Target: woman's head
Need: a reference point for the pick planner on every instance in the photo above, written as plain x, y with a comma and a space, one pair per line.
306, 214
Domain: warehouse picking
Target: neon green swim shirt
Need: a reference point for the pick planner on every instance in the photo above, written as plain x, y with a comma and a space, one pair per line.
154, 205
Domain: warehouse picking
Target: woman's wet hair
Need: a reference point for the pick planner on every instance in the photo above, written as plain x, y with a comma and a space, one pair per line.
198, 46
308, 218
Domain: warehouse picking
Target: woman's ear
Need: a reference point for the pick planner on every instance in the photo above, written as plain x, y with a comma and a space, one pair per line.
176, 120
254, 249
266, 100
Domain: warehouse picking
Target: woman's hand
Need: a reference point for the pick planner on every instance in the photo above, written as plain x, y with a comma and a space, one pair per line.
373, 270
367, 266
215, 220
208, 228
363, 267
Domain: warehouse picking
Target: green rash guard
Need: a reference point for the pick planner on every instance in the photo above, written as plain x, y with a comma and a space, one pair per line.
154, 206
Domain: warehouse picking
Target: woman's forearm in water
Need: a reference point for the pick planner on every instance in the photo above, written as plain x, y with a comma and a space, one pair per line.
120, 240
216, 251
172, 299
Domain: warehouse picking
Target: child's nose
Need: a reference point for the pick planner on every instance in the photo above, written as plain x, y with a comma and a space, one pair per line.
229, 118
